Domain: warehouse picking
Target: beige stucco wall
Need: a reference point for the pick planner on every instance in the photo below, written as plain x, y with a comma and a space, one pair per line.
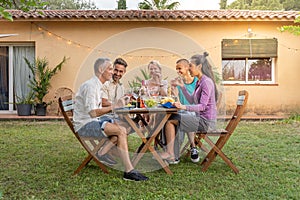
139, 42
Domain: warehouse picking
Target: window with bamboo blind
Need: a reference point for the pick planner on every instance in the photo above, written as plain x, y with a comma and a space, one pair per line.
249, 60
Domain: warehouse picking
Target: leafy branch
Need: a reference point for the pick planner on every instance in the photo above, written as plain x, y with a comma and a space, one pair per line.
23, 5
294, 29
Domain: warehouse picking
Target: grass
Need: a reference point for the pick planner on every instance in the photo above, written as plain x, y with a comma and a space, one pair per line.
37, 160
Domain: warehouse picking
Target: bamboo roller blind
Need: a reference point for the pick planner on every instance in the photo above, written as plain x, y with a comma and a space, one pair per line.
249, 48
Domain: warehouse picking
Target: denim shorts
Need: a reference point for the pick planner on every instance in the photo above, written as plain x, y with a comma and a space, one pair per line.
95, 128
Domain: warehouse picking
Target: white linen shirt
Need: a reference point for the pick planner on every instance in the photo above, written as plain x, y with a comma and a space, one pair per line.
112, 92
88, 98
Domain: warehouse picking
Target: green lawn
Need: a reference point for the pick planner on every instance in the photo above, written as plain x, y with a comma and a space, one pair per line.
37, 160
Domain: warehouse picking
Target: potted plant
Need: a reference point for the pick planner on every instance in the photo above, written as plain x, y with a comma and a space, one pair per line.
24, 104
40, 84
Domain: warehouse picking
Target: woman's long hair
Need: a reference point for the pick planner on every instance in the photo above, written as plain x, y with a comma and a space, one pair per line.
206, 69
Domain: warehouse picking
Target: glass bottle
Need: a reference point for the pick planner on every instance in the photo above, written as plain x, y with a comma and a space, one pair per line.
140, 99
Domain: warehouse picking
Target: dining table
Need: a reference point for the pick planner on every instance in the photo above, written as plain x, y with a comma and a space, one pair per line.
163, 115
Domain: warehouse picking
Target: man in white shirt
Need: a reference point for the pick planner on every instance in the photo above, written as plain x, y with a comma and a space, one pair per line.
113, 89
87, 109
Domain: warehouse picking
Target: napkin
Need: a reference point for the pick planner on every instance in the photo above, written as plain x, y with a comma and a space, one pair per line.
168, 105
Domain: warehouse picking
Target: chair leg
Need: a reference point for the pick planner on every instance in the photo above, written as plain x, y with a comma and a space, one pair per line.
83, 164
197, 143
212, 154
101, 165
200, 144
217, 151
86, 161
185, 148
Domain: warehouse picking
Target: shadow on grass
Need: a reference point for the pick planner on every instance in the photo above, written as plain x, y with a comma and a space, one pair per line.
37, 161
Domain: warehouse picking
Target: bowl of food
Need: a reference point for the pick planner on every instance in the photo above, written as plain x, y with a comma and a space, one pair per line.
150, 103
167, 99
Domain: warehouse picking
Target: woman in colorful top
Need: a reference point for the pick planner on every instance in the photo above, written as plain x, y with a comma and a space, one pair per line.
202, 100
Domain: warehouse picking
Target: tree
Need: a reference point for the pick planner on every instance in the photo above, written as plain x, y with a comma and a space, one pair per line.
240, 4
261, 4
70, 4
294, 29
223, 4
122, 5
290, 4
266, 5
33, 5
256, 5
158, 5
24, 5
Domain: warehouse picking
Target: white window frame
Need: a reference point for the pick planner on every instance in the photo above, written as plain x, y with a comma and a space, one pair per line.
272, 81
10, 74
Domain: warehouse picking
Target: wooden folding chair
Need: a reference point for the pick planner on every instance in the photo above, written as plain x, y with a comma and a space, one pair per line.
90, 144
223, 134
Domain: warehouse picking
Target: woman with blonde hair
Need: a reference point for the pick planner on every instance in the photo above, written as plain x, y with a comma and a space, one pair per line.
156, 85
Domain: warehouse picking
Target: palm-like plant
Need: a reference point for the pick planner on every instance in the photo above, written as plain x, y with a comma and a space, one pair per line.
137, 83
40, 83
158, 5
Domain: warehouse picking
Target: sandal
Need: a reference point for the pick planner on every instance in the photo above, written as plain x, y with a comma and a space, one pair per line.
170, 159
165, 156
173, 161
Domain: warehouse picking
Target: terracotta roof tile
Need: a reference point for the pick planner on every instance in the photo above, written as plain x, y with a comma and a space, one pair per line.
155, 14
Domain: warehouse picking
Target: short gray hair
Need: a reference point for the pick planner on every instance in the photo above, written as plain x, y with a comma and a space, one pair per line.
102, 64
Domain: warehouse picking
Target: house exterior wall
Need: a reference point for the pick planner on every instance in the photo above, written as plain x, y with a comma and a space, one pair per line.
172, 40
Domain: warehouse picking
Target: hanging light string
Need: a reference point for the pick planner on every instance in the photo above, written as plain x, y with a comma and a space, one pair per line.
128, 55
289, 48
133, 56
58, 37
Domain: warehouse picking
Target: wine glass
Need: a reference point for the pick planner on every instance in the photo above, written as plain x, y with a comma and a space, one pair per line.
128, 92
154, 93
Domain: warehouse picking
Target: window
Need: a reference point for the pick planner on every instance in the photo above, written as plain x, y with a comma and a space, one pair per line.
14, 74
248, 61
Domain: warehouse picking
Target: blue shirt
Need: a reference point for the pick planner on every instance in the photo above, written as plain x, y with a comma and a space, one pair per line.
190, 87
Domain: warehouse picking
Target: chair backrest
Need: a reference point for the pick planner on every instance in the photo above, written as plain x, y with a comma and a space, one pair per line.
237, 115
66, 106
91, 144
61, 92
